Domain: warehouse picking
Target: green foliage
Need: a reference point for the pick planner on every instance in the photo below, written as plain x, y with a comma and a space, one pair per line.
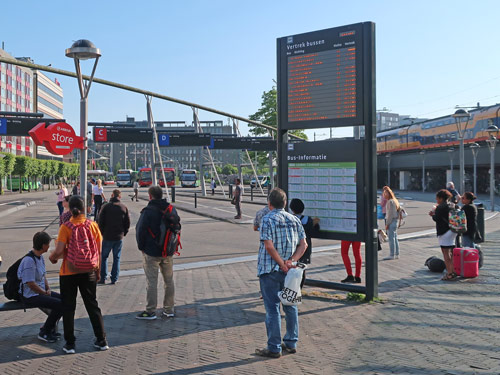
229, 169
129, 164
2, 167
9, 161
23, 166
268, 115
117, 167
356, 297
218, 169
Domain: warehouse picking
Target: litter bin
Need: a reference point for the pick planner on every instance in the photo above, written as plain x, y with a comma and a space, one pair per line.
480, 221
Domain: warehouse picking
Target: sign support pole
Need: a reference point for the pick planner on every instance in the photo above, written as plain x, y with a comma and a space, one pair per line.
370, 161
151, 147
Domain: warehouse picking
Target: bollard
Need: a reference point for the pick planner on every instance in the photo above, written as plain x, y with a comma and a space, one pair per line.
268, 189
173, 194
230, 191
251, 193
195, 201
480, 222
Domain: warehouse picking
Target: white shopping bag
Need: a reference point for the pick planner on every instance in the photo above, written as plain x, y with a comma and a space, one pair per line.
291, 295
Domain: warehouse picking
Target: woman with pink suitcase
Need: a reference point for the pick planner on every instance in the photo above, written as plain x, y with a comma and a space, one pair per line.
445, 236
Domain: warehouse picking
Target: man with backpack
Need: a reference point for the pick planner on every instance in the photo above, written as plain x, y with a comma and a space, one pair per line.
32, 288
158, 236
114, 223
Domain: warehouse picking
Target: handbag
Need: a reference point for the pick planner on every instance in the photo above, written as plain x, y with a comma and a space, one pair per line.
291, 294
382, 236
233, 201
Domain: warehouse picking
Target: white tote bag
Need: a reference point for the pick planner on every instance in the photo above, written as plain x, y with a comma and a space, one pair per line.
291, 295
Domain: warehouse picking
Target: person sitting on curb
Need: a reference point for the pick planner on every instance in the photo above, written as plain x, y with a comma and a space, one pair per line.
34, 287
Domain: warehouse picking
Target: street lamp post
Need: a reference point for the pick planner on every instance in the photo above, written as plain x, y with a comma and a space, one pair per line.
83, 50
423, 170
388, 157
474, 147
492, 143
450, 152
462, 118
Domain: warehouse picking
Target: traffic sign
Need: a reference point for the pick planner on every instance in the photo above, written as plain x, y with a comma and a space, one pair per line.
182, 139
59, 138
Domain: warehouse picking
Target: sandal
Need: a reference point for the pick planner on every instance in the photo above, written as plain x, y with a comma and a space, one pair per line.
449, 277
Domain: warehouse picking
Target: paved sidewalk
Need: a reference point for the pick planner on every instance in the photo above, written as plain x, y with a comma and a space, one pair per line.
421, 326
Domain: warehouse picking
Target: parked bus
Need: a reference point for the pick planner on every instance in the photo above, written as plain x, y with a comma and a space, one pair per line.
145, 177
169, 175
105, 176
189, 178
125, 177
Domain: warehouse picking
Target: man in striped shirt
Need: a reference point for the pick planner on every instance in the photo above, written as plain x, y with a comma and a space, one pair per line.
282, 241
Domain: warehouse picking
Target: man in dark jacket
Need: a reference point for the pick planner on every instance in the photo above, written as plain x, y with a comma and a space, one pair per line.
114, 223
147, 229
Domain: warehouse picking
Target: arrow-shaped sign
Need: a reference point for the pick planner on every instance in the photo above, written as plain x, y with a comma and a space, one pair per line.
59, 138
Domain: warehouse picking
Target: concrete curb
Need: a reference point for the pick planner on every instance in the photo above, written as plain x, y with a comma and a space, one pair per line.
17, 208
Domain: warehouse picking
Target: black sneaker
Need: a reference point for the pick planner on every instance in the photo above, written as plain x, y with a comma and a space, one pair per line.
101, 282
146, 316
267, 353
47, 337
101, 345
348, 279
69, 348
286, 349
357, 280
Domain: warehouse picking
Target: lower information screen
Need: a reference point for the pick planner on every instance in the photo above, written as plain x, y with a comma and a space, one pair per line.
328, 190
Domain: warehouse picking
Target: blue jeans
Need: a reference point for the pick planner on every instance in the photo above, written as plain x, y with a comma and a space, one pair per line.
467, 241
393, 238
270, 285
60, 208
107, 246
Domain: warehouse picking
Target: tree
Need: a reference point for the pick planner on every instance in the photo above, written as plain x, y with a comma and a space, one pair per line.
268, 115
23, 168
229, 169
118, 166
129, 164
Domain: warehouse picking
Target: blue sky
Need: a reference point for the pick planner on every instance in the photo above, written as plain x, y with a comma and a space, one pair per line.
431, 55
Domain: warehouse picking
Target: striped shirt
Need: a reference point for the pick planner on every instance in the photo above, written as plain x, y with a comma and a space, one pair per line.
286, 231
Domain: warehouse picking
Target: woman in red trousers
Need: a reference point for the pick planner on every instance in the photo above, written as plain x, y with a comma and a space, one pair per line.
344, 248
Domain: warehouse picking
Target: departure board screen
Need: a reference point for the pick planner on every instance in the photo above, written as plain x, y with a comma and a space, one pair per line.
320, 78
123, 135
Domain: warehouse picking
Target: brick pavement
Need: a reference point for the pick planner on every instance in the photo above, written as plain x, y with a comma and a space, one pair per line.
421, 326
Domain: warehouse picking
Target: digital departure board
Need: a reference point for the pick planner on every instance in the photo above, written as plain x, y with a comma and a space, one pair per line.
123, 135
243, 143
320, 78
20, 126
183, 139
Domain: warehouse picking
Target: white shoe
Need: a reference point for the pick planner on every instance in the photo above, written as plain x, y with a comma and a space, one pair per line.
396, 257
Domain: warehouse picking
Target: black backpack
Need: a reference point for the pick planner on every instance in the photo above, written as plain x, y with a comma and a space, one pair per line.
169, 239
11, 286
435, 264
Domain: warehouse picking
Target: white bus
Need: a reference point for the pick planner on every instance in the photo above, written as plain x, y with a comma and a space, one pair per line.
125, 177
189, 178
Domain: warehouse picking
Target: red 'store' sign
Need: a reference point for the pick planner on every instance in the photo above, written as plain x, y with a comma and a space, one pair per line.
59, 138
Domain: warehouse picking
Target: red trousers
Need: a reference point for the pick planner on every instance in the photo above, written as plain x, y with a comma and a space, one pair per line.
344, 248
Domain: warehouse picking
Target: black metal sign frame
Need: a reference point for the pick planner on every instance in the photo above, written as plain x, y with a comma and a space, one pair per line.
363, 37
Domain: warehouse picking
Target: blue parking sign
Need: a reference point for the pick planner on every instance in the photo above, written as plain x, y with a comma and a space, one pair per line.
163, 140
3, 126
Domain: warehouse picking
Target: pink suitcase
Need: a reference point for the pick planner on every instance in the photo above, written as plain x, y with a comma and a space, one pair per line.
466, 262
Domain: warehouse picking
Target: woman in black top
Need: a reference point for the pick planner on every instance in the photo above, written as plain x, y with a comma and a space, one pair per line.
445, 235
470, 210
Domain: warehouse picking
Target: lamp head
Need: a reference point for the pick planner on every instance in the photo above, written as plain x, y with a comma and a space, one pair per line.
492, 131
461, 114
474, 145
83, 49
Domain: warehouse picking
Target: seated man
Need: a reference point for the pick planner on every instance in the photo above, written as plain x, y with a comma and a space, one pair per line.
34, 287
